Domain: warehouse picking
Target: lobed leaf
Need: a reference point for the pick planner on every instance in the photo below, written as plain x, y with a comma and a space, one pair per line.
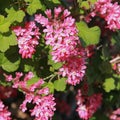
89, 35
60, 84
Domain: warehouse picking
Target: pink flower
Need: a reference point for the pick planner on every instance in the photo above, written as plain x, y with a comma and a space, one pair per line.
115, 115
27, 39
74, 69
4, 113
109, 11
44, 109
62, 36
61, 33
42, 99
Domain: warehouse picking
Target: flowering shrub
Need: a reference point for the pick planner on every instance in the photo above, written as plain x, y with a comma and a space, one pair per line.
63, 55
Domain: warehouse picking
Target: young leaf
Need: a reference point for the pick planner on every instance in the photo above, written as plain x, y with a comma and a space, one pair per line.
14, 15
60, 84
34, 5
85, 4
109, 84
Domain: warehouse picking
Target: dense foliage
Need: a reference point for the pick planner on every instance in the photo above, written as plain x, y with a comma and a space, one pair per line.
63, 55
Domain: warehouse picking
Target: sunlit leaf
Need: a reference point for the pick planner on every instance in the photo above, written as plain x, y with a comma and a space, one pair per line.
109, 84
60, 84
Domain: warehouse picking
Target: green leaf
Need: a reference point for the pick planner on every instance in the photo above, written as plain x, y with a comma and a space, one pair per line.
1, 18
32, 81
1, 58
92, 1
4, 26
54, 66
14, 15
109, 84
93, 118
12, 39
7, 41
89, 35
34, 5
85, 4
4, 44
9, 61
28, 68
9, 66
56, 1
50, 85
28, 0
60, 85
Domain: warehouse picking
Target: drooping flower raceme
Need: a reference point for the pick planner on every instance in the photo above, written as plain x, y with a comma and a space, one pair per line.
27, 38
87, 105
4, 113
44, 102
109, 11
62, 35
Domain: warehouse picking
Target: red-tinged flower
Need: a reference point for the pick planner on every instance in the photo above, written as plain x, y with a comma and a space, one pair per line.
27, 39
4, 113
74, 69
87, 105
109, 11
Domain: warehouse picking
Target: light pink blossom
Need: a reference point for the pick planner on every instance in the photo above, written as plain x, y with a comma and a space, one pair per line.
27, 39
107, 10
4, 113
115, 115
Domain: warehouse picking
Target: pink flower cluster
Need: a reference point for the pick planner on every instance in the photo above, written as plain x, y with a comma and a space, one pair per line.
74, 69
27, 38
87, 105
115, 115
4, 113
109, 11
62, 35
44, 102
